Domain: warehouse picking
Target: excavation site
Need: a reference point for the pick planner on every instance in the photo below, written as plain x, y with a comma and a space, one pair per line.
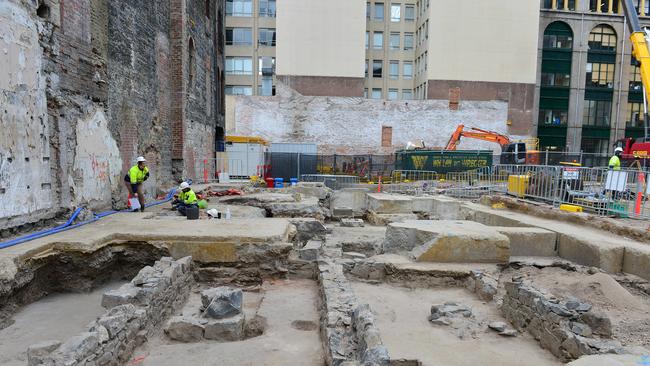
309, 275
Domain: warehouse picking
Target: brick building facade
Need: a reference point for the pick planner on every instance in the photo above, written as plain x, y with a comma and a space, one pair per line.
89, 85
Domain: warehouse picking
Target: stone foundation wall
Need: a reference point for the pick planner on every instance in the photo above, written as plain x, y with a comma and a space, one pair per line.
348, 332
568, 330
135, 311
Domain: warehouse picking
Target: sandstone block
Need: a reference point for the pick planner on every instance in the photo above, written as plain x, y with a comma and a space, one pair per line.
37, 353
228, 329
184, 329
383, 203
530, 241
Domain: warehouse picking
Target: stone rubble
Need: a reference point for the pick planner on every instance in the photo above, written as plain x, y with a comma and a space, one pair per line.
134, 311
220, 318
566, 329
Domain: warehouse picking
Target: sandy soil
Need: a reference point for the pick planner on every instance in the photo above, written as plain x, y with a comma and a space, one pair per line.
629, 313
56, 317
402, 320
289, 307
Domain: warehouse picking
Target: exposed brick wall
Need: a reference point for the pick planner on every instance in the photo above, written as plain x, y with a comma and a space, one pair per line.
117, 71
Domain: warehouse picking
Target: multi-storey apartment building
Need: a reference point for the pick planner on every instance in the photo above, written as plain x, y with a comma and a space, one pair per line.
589, 89
250, 46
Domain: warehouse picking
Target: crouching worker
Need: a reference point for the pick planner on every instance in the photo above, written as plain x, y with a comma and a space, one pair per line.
186, 198
135, 178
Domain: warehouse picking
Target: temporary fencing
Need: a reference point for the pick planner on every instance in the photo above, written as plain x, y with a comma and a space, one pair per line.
602, 191
331, 181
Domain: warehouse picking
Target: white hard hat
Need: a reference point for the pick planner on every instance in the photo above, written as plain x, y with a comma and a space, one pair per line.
140, 159
618, 149
184, 185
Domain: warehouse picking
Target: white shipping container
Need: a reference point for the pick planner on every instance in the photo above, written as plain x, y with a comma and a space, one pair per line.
246, 159
286, 147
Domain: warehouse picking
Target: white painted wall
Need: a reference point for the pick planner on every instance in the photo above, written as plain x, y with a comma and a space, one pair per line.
24, 148
321, 38
97, 162
353, 125
483, 40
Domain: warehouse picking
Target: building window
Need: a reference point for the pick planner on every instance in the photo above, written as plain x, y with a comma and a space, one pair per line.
394, 69
376, 69
557, 79
595, 146
597, 113
637, 5
408, 41
408, 70
191, 60
239, 8
239, 36
395, 12
394, 41
558, 41
571, 4
553, 117
367, 68
238, 90
600, 75
407, 94
265, 93
376, 93
379, 11
266, 65
634, 115
367, 39
409, 13
635, 76
368, 10
267, 8
593, 6
603, 39
365, 93
266, 37
386, 136
392, 94
378, 40
239, 65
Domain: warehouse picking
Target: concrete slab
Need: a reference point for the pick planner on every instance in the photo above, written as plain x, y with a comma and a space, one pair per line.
383, 203
349, 202
438, 207
367, 240
385, 219
583, 245
205, 240
447, 241
530, 241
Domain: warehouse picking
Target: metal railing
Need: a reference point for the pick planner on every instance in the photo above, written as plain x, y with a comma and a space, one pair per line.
331, 181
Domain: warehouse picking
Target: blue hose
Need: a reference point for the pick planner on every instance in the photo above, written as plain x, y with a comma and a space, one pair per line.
68, 224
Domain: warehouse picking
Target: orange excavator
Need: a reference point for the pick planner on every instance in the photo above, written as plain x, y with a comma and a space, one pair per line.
511, 152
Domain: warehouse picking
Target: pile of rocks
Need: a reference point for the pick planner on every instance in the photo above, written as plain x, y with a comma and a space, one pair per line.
134, 311
220, 318
443, 314
568, 329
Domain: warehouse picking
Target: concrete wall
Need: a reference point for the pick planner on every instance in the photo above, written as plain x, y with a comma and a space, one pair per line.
487, 40
321, 38
353, 125
320, 46
92, 84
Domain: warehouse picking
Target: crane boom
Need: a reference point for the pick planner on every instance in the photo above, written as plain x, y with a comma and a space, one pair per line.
639, 40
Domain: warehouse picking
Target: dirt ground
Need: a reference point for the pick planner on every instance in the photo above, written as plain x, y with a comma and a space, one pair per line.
401, 315
629, 312
287, 305
56, 317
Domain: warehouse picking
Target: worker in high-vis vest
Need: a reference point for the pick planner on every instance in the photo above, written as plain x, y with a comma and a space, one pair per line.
135, 179
615, 161
186, 198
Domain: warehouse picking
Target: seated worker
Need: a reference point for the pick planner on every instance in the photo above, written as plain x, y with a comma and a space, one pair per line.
135, 178
186, 198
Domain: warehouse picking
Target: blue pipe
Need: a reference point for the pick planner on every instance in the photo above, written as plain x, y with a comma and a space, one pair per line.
68, 224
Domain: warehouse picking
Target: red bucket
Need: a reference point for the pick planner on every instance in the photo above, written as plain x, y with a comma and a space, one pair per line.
270, 182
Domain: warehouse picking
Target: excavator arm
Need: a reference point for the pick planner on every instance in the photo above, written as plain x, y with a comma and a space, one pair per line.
478, 134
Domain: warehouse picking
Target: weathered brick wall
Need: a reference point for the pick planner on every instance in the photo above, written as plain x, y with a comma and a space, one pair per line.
112, 77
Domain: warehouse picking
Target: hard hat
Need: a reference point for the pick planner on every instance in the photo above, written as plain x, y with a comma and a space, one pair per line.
140, 159
184, 185
618, 149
